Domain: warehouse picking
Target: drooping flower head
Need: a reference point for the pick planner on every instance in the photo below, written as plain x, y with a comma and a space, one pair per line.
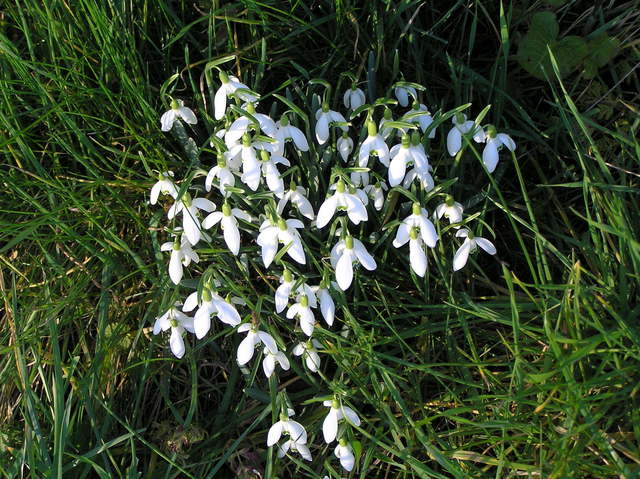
178, 110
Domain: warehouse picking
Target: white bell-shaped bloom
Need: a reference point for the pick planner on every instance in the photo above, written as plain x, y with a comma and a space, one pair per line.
342, 201
291, 445
269, 168
420, 116
419, 219
375, 191
223, 174
469, 245
208, 304
229, 223
302, 310
343, 254
402, 94
189, 209
285, 232
296, 194
450, 209
327, 306
286, 131
178, 110
244, 124
344, 144
417, 255
178, 322
494, 142
462, 126
344, 452
164, 185
248, 152
354, 97
324, 119
181, 255
309, 352
270, 360
360, 179
283, 292
293, 429
229, 86
248, 344
408, 152
373, 144
337, 412
422, 176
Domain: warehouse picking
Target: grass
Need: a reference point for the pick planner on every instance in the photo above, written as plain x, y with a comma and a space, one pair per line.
524, 366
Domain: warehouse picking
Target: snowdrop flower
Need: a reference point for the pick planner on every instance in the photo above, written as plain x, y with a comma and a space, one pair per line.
189, 209
344, 146
178, 322
293, 429
241, 125
423, 176
344, 452
165, 186
407, 152
229, 223
373, 144
270, 172
181, 255
419, 219
287, 131
360, 178
248, 344
337, 413
495, 141
224, 175
462, 126
376, 193
402, 94
272, 234
228, 88
417, 255
450, 209
327, 306
251, 166
343, 254
354, 97
421, 116
270, 360
309, 352
284, 291
342, 201
297, 196
301, 448
469, 245
324, 118
178, 110
302, 310
210, 303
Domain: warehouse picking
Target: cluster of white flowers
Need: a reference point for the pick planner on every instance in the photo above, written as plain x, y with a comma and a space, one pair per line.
253, 149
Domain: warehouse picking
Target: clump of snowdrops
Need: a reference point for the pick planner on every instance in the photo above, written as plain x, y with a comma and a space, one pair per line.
255, 186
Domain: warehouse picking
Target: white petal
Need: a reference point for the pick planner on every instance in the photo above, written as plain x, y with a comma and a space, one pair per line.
187, 115
155, 192
283, 360
351, 415
167, 119
355, 209
175, 267
490, 155
507, 141
402, 235
268, 366
347, 460
204, 204
486, 245
402, 96
231, 234
461, 256
312, 360
417, 257
454, 141
428, 232
326, 212
304, 451
327, 307
330, 426
357, 99
363, 256
227, 313
268, 341
191, 302
344, 271
397, 169
220, 103
176, 342
299, 139
245, 349
201, 322
322, 129
304, 206
212, 219
346, 98
282, 296
190, 225
274, 434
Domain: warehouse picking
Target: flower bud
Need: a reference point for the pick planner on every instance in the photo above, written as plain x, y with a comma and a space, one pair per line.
174, 104
325, 107
288, 277
264, 156
348, 242
226, 209
416, 209
224, 78
304, 301
449, 201
372, 129
340, 186
284, 121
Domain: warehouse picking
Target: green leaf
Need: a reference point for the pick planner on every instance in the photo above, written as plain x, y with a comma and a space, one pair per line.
602, 49
569, 53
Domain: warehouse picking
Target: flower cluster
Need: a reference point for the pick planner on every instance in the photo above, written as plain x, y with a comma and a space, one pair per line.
376, 161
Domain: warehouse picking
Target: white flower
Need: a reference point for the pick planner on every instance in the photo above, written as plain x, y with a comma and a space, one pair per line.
324, 118
344, 452
178, 110
209, 303
469, 245
272, 234
402, 94
462, 126
327, 306
408, 152
354, 97
423, 176
241, 125
181, 255
165, 186
495, 141
420, 115
302, 310
336, 413
374, 143
417, 255
297, 196
228, 88
287, 131
271, 173
189, 209
376, 193
224, 175
301, 448
344, 146
248, 344
449, 209
343, 254
309, 352
341, 200
283, 292
229, 223
419, 219
178, 322
251, 166
270, 360
293, 429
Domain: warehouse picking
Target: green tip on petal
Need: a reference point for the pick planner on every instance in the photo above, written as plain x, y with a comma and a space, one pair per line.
226, 209
224, 78
372, 129
173, 323
340, 186
413, 233
416, 209
348, 242
174, 104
